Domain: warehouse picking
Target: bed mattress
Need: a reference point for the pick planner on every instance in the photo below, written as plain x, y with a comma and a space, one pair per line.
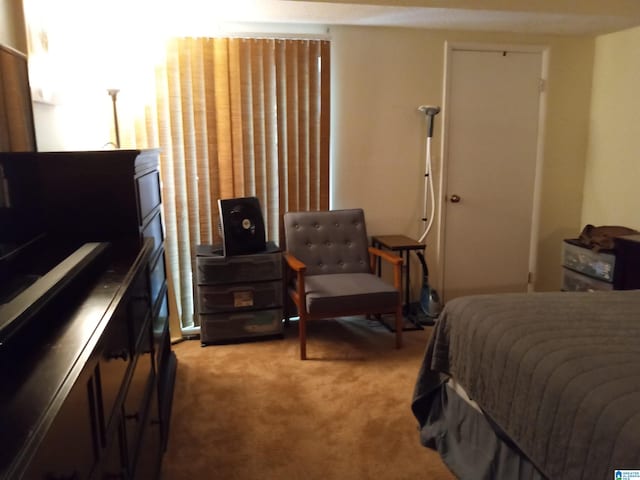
556, 374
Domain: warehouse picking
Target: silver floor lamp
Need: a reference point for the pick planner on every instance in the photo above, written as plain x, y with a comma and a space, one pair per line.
113, 92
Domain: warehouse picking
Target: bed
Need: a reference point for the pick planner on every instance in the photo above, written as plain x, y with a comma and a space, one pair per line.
534, 386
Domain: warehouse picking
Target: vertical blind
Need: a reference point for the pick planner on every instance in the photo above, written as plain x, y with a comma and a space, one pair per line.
235, 117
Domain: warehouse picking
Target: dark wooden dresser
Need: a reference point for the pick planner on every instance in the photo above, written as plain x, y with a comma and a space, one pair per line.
87, 369
628, 262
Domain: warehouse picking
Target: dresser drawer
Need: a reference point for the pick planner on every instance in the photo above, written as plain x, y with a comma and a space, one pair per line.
231, 326
213, 299
70, 446
160, 327
154, 230
138, 308
135, 404
242, 268
157, 277
148, 194
115, 359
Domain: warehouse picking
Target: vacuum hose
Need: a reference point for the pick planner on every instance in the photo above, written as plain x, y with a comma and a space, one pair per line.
429, 196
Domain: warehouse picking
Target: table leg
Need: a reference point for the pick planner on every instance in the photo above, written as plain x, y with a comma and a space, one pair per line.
405, 255
407, 280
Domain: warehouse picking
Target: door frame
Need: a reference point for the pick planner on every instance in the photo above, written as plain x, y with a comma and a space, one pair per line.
449, 49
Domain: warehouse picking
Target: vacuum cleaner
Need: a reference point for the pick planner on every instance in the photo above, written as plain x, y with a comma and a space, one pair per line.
429, 299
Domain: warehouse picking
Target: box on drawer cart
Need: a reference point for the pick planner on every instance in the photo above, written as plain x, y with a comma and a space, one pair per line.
599, 265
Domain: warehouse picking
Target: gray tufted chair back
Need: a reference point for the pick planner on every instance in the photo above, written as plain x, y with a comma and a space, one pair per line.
326, 242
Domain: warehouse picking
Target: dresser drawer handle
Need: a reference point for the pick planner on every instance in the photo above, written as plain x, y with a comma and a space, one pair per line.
133, 416
63, 476
118, 354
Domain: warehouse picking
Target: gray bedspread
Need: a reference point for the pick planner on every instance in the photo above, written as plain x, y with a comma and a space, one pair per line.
558, 373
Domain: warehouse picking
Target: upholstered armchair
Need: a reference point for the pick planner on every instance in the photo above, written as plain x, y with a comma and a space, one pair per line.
331, 270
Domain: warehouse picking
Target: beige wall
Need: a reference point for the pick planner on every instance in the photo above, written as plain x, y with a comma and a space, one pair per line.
612, 179
12, 30
379, 78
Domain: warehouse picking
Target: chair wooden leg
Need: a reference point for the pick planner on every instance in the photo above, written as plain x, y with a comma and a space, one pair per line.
302, 332
399, 325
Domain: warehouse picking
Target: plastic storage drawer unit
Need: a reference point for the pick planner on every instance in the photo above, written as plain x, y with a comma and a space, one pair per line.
238, 297
599, 265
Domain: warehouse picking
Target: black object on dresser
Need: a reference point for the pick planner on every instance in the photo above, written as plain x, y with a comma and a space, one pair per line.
87, 370
585, 269
238, 297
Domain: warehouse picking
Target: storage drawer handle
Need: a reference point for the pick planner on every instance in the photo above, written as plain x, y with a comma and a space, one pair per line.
237, 318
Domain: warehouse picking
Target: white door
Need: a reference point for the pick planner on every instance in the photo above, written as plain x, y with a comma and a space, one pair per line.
493, 105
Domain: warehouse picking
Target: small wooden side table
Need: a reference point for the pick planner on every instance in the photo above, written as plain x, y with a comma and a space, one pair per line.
404, 245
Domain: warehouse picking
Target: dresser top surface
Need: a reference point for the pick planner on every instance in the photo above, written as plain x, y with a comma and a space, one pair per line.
630, 238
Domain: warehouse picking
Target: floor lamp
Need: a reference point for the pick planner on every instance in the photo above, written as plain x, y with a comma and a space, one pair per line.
113, 92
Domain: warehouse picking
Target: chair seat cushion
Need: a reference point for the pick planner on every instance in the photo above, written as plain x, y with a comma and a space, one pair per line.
349, 292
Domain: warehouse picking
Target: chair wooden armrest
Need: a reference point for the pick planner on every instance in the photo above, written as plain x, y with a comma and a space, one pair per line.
295, 264
395, 260
389, 257
300, 269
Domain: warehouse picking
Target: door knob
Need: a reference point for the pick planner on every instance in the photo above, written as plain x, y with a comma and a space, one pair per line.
455, 198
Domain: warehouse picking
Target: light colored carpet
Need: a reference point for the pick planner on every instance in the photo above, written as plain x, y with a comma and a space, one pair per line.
255, 411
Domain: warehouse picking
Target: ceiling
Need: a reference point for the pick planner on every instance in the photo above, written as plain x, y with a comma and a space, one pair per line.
567, 17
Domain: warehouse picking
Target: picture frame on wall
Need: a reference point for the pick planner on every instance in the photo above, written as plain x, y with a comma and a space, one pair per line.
17, 128
41, 65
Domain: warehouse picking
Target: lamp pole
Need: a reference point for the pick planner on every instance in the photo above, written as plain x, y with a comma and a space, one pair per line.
113, 92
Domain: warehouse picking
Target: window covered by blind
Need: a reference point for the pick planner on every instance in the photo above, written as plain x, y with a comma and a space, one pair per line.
236, 117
